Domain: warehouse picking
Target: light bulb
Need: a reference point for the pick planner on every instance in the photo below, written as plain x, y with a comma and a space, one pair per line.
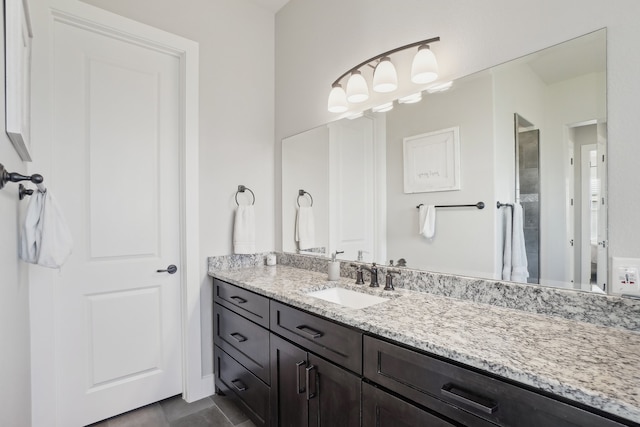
357, 90
337, 100
424, 68
385, 78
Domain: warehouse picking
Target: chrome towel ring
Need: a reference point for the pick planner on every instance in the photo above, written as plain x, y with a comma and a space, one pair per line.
301, 193
242, 189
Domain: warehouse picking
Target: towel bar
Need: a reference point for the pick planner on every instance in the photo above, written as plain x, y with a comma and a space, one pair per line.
242, 189
501, 205
479, 205
301, 193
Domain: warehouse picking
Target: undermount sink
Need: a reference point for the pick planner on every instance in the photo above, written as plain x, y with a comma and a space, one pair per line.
347, 298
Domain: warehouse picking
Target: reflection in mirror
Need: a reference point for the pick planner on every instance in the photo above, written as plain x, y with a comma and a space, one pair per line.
552, 166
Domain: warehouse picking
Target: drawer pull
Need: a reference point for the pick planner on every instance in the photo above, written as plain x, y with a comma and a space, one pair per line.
299, 377
309, 376
238, 337
239, 385
238, 299
311, 332
480, 403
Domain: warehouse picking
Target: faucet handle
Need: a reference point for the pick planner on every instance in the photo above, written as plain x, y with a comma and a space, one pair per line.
359, 274
389, 279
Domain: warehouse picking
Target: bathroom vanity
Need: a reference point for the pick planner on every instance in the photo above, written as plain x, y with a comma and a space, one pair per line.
291, 359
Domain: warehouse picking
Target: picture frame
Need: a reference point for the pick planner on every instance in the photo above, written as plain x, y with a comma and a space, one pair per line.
18, 36
432, 161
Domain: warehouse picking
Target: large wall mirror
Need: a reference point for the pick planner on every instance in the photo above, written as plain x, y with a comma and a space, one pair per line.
532, 136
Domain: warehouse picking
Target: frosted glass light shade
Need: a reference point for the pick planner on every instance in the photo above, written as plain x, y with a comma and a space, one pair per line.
357, 90
424, 68
385, 78
337, 100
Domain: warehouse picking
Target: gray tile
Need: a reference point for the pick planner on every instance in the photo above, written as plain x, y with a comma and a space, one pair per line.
176, 407
147, 416
210, 417
235, 414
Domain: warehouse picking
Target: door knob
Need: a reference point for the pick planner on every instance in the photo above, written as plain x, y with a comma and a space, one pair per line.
171, 269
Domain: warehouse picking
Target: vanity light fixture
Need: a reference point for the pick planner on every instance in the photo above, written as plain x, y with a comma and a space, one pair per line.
424, 69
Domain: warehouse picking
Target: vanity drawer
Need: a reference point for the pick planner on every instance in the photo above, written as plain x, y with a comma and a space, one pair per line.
443, 387
241, 385
381, 409
334, 342
243, 340
246, 303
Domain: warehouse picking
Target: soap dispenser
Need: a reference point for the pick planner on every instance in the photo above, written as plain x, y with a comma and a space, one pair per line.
334, 267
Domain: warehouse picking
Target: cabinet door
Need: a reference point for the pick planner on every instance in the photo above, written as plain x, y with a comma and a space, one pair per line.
334, 395
381, 409
288, 387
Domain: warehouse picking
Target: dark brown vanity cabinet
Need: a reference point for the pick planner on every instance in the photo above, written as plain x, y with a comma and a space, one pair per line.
466, 396
307, 390
290, 368
241, 351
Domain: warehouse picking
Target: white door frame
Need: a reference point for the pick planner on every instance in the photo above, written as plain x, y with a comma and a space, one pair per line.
41, 281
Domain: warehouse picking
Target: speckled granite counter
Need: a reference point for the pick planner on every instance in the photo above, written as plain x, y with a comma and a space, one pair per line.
590, 364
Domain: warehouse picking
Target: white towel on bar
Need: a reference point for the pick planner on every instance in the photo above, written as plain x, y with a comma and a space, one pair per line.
508, 236
305, 228
427, 216
244, 230
519, 267
46, 239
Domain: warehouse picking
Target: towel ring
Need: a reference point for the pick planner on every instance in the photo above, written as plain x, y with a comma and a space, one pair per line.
242, 189
301, 193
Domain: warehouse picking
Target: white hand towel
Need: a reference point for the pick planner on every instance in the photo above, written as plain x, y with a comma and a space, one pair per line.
519, 267
46, 239
427, 221
508, 236
244, 230
305, 228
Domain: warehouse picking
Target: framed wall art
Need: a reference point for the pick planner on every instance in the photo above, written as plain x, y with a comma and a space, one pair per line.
432, 161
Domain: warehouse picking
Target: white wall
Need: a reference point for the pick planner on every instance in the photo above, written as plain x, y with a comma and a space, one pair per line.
463, 239
236, 40
317, 41
15, 384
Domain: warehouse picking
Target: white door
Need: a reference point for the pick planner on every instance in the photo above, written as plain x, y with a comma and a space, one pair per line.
115, 166
603, 250
355, 223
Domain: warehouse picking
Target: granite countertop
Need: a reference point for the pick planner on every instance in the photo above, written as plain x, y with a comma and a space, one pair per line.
594, 365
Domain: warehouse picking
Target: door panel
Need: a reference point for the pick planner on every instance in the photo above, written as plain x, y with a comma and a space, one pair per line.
288, 387
116, 176
122, 108
336, 395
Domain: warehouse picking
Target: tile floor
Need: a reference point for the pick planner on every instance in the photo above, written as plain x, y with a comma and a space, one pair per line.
214, 411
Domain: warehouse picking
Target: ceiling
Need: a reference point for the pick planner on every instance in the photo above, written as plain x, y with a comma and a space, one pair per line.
272, 5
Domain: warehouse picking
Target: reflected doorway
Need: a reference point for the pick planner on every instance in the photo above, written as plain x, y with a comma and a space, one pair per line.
528, 190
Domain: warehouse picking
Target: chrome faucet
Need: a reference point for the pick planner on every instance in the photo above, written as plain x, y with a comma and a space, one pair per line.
374, 275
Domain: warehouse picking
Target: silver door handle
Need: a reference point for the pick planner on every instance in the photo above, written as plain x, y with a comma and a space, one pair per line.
171, 269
